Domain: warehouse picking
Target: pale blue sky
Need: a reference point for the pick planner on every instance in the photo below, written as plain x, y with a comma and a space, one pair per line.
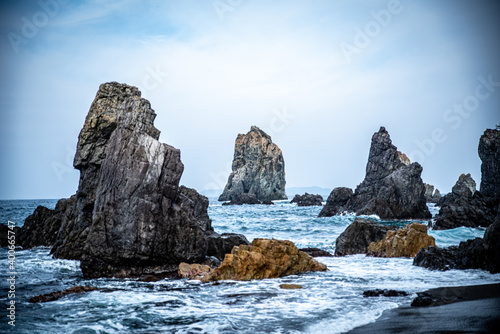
320, 76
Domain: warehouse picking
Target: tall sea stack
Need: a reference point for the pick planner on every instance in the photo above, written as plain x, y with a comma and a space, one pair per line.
258, 168
489, 152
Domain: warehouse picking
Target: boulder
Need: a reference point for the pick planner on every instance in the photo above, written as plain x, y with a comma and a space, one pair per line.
337, 202
478, 253
258, 168
384, 293
193, 271
431, 195
404, 242
220, 245
307, 200
392, 188
264, 258
315, 252
359, 235
464, 206
489, 152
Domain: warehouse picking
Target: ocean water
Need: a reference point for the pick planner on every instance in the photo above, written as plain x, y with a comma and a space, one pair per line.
330, 302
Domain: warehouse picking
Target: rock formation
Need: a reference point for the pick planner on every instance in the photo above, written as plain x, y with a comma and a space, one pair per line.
478, 253
258, 168
489, 152
129, 216
307, 200
404, 242
264, 258
193, 271
247, 199
50, 297
359, 235
431, 195
392, 188
315, 252
464, 206
338, 202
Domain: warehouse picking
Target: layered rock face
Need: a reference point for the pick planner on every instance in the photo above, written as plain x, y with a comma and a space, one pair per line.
258, 168
471, 254
431, 195
264, 258
129, 216
489, 152
464, 206
359, 235
307, 200
392, 188
404, 242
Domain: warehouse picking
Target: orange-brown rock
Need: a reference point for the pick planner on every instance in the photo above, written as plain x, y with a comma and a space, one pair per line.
264, 258
193, 271
405, 242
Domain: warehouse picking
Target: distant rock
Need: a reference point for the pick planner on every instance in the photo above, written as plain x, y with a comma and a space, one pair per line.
404, 242
338, 202
315, 252
471, 254
264, 258
384, 293
431, 195
464, 206
307, 200
258, 168
392, 188
359, 235
49, 297
247, 199
489, 152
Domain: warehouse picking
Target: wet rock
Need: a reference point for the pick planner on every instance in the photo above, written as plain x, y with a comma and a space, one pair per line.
337, 202
49, 297
315, 252
384, 293
264, 258
453, 294
258, 168
291, 286
431, 195
392, 188
404, 242
307, 200
193, 271
220, 245
464, 206
244, 199
489, 152
357, 237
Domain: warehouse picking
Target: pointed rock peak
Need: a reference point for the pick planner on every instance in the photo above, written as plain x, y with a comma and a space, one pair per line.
403, 158
114, 88
259, 132
465, 186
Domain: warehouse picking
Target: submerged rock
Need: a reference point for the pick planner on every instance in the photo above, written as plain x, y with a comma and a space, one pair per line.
247, 199
464, 206
264, 258
392, 188
359, 235
431, 195
307, 200
258, 168
489, 152
49, 297
316, 252
291, 286
404, 242
384, 293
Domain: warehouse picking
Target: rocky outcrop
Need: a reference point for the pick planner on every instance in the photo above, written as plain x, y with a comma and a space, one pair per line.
471, 254
247, 199
404, 242
258, 168
264, 258
392, 188
489, 152
464, 206
359, 235
315, 252
193, 271
220, 245
49, 297
307, 200
431, 195
338, 202
129, 217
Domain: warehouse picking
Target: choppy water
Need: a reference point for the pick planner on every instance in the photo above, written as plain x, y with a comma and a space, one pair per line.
331, 302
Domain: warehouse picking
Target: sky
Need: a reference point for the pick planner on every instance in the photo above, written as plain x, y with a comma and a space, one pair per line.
319, 76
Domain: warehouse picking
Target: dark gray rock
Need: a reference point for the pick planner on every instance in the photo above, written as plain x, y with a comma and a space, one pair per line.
357, 237
337, 202
307, 200
464, 206
247, 199
392, 188
258, 168
220, 245
431, 195
384, 293
315, 252
489, 152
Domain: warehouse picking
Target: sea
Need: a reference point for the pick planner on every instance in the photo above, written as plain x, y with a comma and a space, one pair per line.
330, 302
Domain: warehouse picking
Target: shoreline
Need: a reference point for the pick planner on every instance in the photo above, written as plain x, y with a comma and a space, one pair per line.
457, 309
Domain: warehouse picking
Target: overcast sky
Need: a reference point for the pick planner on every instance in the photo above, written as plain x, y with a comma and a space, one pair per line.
319, 76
